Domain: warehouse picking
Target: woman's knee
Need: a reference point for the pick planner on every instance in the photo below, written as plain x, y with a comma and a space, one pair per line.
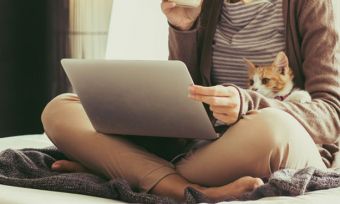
274, 126
257, 145
270, 134
281, 136
53, 109
246, 149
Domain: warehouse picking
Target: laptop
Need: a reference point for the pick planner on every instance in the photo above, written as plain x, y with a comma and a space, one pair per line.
139, 98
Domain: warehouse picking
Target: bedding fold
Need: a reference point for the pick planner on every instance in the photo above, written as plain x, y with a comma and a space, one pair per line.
30, 168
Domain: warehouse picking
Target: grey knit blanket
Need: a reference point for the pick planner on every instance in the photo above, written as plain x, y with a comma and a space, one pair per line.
30, 168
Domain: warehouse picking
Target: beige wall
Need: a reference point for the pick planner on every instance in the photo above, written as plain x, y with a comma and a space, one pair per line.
150, 42
139, 30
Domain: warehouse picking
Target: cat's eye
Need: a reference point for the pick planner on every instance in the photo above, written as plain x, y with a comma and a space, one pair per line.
251, 82
265, 81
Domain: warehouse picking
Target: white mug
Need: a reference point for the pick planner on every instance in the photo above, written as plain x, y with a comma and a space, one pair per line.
188, 3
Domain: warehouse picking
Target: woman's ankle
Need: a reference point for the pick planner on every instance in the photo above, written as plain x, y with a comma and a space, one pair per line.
173, 186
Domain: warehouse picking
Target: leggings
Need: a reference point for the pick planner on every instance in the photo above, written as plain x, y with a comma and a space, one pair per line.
262, 142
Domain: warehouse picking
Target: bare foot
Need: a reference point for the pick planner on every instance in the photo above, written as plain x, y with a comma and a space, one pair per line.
68, 166
233, 190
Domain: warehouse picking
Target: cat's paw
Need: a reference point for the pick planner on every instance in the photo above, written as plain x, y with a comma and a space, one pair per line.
299, 96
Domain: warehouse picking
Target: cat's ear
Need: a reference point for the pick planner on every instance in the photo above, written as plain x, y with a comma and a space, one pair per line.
281, 63
251, 66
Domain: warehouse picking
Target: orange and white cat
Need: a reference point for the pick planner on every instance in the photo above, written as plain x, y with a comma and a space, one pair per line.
276, 80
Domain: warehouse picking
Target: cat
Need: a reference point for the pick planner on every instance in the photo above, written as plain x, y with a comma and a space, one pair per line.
276, 80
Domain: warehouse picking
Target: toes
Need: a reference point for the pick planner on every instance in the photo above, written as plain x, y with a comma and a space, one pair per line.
253, 183
233, 190
258, 182
247, 183
68, 166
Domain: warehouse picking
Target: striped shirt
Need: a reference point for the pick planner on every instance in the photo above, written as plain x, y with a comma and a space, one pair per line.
254, 31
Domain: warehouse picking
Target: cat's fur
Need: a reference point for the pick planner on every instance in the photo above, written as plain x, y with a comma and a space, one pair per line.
276, 80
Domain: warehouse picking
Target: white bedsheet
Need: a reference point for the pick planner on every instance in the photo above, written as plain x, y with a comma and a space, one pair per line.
15, 195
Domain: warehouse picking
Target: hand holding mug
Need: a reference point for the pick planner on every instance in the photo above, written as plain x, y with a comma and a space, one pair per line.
183, 18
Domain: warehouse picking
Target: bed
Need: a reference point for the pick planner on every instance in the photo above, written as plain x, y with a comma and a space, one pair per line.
15, 195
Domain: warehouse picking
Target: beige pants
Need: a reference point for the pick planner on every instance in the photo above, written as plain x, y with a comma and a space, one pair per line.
261, 143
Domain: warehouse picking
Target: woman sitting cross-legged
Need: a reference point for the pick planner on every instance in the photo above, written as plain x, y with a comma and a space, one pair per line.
263, 134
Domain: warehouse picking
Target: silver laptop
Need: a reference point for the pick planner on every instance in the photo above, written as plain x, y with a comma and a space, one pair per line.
140, 98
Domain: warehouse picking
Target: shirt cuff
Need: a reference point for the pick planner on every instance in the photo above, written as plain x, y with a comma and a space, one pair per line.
194, 28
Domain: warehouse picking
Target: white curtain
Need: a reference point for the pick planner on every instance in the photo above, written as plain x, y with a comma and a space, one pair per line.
138, 30
89, 25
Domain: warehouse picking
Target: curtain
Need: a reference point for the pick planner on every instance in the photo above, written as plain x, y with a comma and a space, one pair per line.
35, 36
58, 46
89, 25
77, 29
32, 41
138, 30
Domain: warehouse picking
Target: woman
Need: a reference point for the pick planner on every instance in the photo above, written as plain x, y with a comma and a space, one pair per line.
264, 135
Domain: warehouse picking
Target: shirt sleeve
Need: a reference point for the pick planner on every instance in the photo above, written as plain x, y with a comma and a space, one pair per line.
183, 46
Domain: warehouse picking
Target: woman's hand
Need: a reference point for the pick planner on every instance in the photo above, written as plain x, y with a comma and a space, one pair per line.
183, 18
225, 102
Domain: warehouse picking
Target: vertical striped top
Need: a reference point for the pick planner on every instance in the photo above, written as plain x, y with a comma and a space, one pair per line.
254, 31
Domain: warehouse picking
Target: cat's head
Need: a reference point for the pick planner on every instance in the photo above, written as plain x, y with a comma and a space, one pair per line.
271, 80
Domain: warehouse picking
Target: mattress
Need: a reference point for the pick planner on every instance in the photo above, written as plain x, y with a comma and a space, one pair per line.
15, 195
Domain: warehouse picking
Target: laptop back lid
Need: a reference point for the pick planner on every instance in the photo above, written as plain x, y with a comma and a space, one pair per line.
141, 98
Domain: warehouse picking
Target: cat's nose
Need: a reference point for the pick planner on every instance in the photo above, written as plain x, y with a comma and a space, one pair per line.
254, 89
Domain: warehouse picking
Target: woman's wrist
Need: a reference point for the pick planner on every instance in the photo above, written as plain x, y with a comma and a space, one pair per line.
184, 27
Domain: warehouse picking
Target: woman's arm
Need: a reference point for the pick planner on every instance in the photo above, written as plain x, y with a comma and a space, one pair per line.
183, 46
321, 68
183, 43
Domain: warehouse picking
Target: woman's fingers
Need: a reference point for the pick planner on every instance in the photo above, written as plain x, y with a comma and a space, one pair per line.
211, 91
224, 101
215, 101
222, 109
167, 6
227, 119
